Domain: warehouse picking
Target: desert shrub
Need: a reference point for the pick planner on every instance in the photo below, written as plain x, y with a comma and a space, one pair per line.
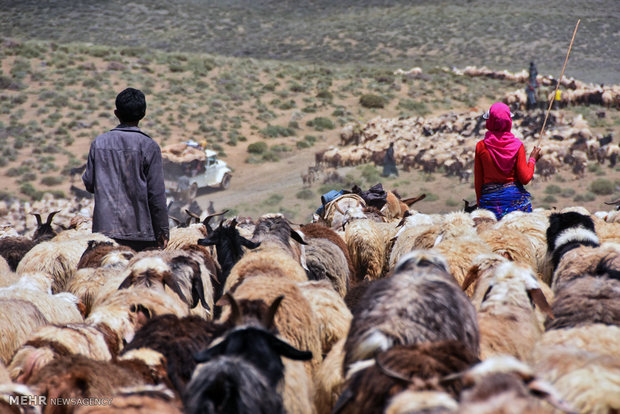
320, 123
372, 101
302, 144
273, 200
594, 167
274, 131
419, 108
271, 156
553, 189
450, 202
293, 125
371, 174
310, 109
325, 95
567, 193
257, 147
10, 83
51, 180
602, 186
305, 194
549, 199
290, 104
588, 196
280, 148
295, 87
28, 190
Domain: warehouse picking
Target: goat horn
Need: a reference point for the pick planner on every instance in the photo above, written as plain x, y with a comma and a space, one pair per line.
613, 203
192, 215
269, 317
337, 207
38, 216
51, 216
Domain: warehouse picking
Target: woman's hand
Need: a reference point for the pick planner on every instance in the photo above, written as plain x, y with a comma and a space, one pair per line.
536, 153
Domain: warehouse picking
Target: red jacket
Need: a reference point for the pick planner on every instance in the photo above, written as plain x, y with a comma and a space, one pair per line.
486, 171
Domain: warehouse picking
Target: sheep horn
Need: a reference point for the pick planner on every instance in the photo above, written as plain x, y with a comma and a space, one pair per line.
613, 203
271, 313
391, 373
192, 215
337, 207
176, 220
235, 312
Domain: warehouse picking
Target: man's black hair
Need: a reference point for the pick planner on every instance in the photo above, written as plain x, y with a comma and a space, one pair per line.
130, 105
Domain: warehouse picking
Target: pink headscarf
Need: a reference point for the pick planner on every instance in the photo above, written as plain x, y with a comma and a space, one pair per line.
500, 142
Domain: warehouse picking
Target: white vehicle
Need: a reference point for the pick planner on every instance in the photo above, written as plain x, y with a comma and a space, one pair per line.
188, 168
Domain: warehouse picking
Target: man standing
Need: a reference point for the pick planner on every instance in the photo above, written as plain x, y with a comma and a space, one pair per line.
532, 85
389, 162
124, 171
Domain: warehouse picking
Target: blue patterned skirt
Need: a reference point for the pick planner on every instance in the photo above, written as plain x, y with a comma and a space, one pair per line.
501, 199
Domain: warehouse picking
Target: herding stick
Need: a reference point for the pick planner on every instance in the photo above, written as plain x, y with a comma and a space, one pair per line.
542, 130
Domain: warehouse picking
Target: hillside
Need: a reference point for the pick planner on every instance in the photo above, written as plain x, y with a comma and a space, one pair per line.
286, 74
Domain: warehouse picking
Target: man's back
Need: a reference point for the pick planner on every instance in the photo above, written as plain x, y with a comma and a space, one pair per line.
124, 170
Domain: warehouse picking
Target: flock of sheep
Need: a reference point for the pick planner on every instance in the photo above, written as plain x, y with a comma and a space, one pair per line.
448, 142
372, 307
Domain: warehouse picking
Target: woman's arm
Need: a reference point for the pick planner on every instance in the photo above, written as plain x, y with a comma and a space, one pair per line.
478, 175
525, 169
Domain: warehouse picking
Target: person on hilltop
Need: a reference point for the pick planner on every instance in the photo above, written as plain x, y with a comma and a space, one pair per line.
124, 171
500, 167
389, 162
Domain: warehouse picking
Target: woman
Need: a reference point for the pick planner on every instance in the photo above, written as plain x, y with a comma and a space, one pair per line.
501, 168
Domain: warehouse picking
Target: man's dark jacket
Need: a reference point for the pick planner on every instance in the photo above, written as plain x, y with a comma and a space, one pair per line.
124, 170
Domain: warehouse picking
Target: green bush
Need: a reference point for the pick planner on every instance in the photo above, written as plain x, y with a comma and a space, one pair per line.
320, 123
372, 101
28, 190
371, 174
451, 203
257, 147
273, 200
553, 189
585, 197
567, 193
274, 131
602, 186
549, 199
302, 144
305, 194
325, 95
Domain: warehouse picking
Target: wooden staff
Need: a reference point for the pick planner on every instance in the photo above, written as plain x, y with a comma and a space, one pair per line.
558, 83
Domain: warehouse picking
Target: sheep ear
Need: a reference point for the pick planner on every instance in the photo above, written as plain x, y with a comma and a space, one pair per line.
413, 200
343, 400
142, 311
472, 276
126, 283
248, 243
288, 351
391, 373
297, 237
207, 241
404, 219
538, 297
50, 217
198, 292
271, 313
173, 284
212, 352
548, 393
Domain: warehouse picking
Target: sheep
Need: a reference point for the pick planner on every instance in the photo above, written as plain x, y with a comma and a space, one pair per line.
76, 376
59, 308
126, 310
511, 244
18, 319
325, 261
274, 231
89, 284
504, 384
459, 242
330, 310
51, 341
274, 263
417, 231
409, 402
295, 319
143, 399
13, 249
367, 247
177, 339
97, 250
586, 260
583, 365
419, 367
57, 258
177, 269
29, 401
567, 231
420, 302
329, 379
506, 309
315, 231
248, 361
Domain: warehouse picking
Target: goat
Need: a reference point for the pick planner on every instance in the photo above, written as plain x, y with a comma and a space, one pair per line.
240, 374
13, 249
